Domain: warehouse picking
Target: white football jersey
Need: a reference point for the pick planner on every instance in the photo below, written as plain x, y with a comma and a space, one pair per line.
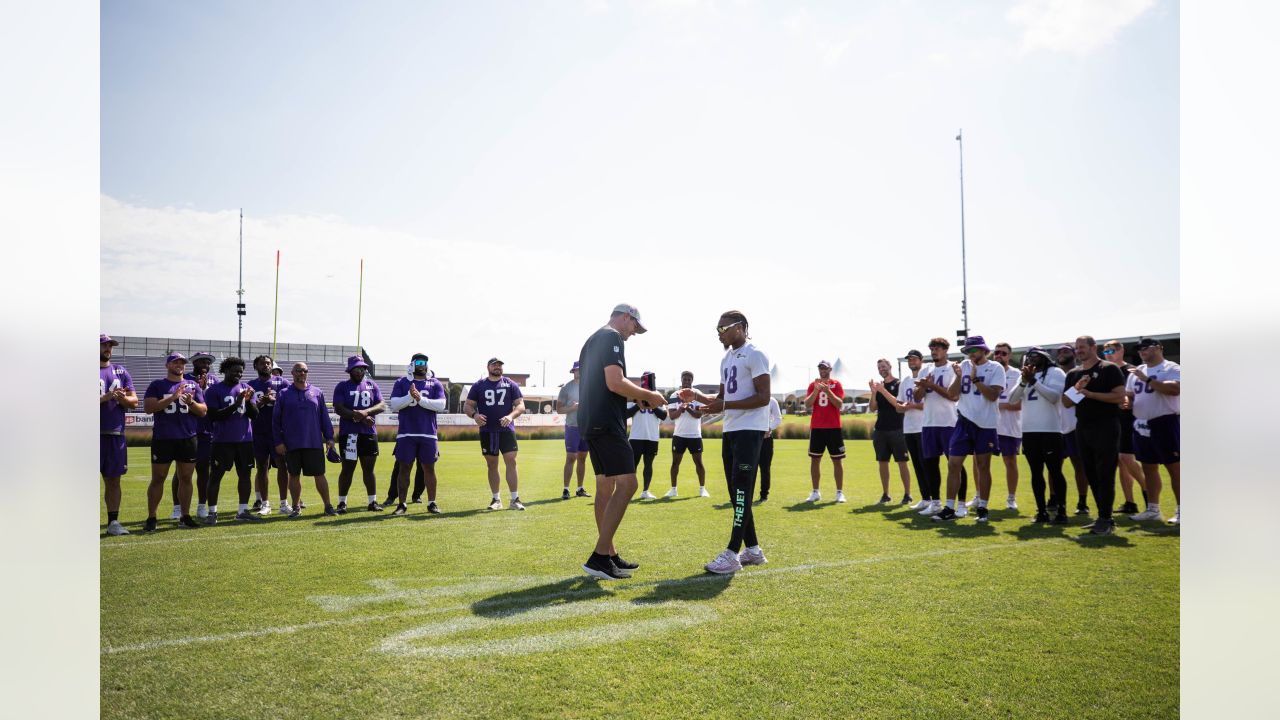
687, 426
1066, 415
644, 424
1042, 403
1149, 404
979, 410
939, 411
1009, 422
912, 420
738, 370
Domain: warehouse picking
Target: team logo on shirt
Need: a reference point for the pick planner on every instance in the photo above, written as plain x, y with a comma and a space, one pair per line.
617, 349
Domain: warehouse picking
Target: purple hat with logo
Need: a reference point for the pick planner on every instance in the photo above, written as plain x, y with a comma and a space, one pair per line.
974, 342
575, 367
105, 339
355, 361
175, 356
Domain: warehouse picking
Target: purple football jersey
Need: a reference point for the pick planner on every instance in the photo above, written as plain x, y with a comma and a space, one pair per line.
415, 420
301, 419
110, 378
357, 396
175, 421
236, 428
204, 425
262, 423
494, 399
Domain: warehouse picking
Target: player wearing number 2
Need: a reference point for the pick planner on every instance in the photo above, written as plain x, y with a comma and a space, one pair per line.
115, 395
357, 401
824, 398
495, 402
176, 403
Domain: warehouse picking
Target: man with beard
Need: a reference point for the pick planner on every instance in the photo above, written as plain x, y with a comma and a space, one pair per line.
417, 398
115, 396
823, 399
201, 364
495, 402
301, 426
231, 414
1130, 470
887, 437
176, 403
1066, 357
1096, 390
688, 436
266, 388
356, 401
1008, 423
1156, 387
910, 404
977, 386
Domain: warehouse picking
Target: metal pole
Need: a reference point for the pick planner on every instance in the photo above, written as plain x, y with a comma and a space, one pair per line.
240, 294
276, 318
360, 305
544, 373
964, 275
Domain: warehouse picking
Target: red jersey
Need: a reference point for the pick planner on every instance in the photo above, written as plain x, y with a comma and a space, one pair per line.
825, 413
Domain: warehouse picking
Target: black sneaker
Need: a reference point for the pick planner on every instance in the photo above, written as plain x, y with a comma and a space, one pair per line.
330, 511
149, 526
885, 499
496, 504
1127, 509
374, 507
582, 492
982, 514
618, 562
1105, 526
1082, 509
1041, 517
401, 509
211, 518
1061, 517
257, 505
187, 523
297, 513
602, 568
565, 495
433, 508
907, 500
247, 516
416, 501
946, 514
341, 508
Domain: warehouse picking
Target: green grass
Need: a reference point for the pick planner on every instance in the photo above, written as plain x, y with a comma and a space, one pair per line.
863, 611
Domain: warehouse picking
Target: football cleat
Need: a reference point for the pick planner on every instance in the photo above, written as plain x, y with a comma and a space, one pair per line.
945, 513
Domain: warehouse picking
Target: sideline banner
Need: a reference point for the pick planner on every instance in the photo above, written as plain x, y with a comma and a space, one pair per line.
146, 420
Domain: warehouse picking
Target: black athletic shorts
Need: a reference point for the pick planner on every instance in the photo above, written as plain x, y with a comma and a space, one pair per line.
644, 447
365, 445
498, 443
610, 455
230, 455
889, 442
830, 440
305, 461
164, 452
680, 444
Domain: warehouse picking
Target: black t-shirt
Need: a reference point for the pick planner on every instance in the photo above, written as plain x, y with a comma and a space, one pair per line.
887, 416
600, 410
1103, 377
1126, 416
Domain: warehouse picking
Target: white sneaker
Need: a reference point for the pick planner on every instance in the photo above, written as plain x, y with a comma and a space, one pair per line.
746, 557
201, 512
814, 496
1011, 504
266, 509
115, 528
702, 492
920, 505
932, 508
177, 513
840, 496
972, 502
725, 563
646, 495
285, 509
1176, 520
1148, 514
670, 493
962, 509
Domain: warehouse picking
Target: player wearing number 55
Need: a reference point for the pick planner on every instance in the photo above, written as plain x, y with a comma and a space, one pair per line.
824, 398
176, 402
494, 403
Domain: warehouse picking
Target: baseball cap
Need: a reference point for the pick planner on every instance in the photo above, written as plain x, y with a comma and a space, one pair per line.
104, 339
824, 363
915, 354
575, 366
175, 356
974, 342
1068, 348
201, 356
1037, 350
356, 361
1145, 343
634, 312
493, 360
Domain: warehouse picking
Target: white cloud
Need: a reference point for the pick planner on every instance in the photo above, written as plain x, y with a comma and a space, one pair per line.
1076, 26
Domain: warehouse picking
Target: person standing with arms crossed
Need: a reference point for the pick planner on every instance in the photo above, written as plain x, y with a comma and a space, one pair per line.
823, 398
887, 437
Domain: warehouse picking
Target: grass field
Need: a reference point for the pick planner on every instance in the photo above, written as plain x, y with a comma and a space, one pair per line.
863, 611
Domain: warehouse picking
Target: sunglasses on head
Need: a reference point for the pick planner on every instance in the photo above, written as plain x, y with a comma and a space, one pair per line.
722, 328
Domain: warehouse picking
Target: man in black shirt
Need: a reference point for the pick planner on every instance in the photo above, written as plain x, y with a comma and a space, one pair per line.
1098, 388
602, 405
887, 438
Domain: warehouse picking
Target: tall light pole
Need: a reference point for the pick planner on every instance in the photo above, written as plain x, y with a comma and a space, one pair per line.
240, 293
544, 373
964, 276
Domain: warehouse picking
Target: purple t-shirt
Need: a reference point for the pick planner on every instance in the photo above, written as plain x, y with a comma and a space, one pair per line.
237, 427
301, 419
262, 423
415, 420
110, 378
494, 399
175, 421
357, 396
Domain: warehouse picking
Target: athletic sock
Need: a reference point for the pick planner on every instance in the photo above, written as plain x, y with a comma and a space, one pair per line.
496, 496
342, 498
754, 549
1012, 497
200, 506
515, 496
373, 498
982, 502
951, 504
113, 516
213, 508
258, 496
177, 508
244, 507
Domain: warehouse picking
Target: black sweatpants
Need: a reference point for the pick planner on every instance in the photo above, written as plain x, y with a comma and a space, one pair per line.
923, 484
1046, 450
933, 468
740, 451
224, 457
419, 483
1100, 452
766, 463
648, 450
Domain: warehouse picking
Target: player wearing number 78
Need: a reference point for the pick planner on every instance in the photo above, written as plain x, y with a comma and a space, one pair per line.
356, 401
495, 402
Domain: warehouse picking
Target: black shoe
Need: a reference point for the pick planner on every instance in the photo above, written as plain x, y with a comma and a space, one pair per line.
982, 514
341, 508
149, 526
1104, 526
565, 495
374, 507
907, 500
582, 492
416, 501
297, 513
946, 514
1061, 517
389, 501
248, 516
1082, 509
763, 498
602, 568
1127, 509
211, 518
618, 562
495, 504
885, 499
187, 523
1053, 503
1041, 517
330, 511
401, 509
433, 508
257, 505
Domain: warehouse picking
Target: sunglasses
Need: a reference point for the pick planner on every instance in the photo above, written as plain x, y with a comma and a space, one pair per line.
1109, 351
1001, 353
721, 328
419, 363
300, 370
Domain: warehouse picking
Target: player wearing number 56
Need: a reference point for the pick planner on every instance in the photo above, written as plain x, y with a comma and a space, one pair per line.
495, 402
176, 402
823, 399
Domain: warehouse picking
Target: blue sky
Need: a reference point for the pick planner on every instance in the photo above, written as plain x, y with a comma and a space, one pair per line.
514, 169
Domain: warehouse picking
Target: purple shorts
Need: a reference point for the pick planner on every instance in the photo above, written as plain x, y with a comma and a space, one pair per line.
933, 442
1071, 447
573, 441
113, 456
969, 439
1008, 445
424, 450
1163, 442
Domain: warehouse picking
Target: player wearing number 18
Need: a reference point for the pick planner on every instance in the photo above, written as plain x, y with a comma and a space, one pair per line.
495, 402
176, 403
231, 414
824, 398
357, 401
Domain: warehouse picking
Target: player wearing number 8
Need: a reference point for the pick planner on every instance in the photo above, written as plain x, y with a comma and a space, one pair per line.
824, 398
495, 402
357, 401
176, 402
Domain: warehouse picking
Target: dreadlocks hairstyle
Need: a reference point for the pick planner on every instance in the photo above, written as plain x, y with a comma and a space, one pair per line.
737, 316
233, 360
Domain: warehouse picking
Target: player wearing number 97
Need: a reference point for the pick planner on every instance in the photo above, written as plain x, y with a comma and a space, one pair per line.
115, 395
231, 414
495, 402
824, 398
177, 403
357, 401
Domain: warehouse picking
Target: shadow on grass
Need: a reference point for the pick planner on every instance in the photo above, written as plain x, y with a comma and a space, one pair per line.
874, 507
575, 589
1098, 541
963, 528
1039, 531
1150, 530
805, 506
702, 586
